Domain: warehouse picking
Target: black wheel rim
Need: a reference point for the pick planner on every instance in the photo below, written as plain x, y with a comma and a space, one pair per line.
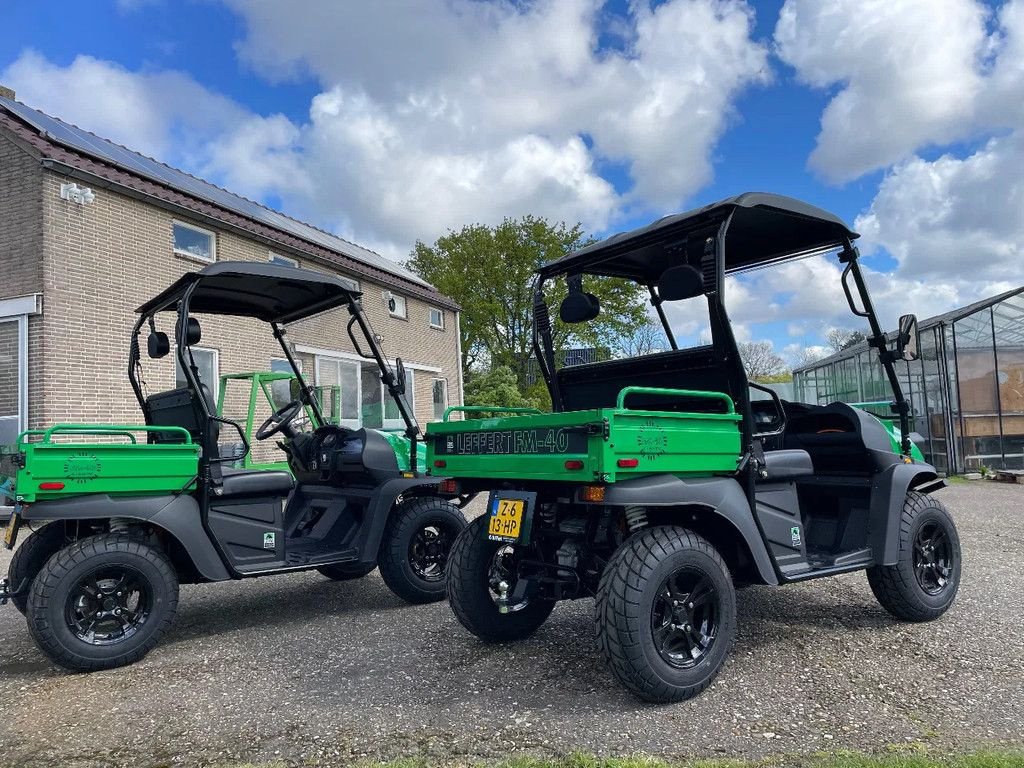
933, 558
428, 552
108, 605
685, 617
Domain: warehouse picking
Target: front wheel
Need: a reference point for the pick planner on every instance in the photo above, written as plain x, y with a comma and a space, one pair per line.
480, 573
102, 602
665, 614
414, 551
923, 583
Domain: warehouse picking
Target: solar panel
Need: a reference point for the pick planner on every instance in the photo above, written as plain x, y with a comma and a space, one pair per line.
82, 141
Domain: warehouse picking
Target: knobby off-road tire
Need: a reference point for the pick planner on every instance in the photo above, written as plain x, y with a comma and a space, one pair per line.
652, 574
96, 566
346, 572
471, 596
414, 551
922, 585
30, 557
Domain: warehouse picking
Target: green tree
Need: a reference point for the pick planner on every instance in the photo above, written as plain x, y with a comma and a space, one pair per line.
489, 272
498, 386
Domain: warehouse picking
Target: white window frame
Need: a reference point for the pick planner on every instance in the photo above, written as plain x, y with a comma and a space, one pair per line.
335, 359
444, 383
188, 254
281, 257
404, 314
430, 318
410, 398
215, 384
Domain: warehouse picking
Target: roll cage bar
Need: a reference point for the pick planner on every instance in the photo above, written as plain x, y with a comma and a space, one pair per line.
180, 298
702, 235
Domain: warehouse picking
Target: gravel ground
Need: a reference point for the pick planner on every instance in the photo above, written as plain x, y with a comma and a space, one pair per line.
302, 669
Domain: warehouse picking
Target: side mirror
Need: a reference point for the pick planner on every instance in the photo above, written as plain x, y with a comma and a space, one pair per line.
193, 332
158, 344
681, 282
400, 374
906, 341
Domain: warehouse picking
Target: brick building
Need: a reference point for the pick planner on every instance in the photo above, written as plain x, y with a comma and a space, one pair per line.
89, 230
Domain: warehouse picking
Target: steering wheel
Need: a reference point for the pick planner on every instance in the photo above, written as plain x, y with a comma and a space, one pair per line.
279, 421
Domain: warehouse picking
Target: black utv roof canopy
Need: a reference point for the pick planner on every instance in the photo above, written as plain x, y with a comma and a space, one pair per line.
764, 228
268, 292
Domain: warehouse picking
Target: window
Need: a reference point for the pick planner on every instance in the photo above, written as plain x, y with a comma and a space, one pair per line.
436, 318
338, 390
395, 304
440, 396
10, 375
282, 390
282, 261
207, 363
194, 242
392, 416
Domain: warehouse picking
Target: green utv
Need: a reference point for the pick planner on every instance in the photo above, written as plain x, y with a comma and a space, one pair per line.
659, 483
116, 524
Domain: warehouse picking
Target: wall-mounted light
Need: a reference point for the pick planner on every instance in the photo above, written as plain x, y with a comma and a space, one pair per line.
76, 194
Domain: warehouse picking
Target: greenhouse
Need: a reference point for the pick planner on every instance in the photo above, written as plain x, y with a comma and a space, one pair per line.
966, 391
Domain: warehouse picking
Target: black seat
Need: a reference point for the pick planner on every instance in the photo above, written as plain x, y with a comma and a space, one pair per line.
256, 482
787, 464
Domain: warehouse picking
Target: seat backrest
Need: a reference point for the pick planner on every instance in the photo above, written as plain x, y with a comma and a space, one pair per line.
597, 385
177, 408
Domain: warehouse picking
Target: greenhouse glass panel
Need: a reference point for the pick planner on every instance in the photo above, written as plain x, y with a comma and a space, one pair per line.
979, 392
1008, 318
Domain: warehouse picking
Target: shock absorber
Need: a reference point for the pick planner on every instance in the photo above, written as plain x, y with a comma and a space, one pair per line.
636, 518
548, 513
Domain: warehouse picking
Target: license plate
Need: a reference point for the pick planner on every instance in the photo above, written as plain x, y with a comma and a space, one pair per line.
11, 531
506, 520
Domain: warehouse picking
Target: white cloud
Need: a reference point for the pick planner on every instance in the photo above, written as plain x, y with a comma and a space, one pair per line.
954, 217
909, 74
434, 115
461, 111
163, 114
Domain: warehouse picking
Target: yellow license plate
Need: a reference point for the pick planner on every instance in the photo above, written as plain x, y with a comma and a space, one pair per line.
12, 528
506, 521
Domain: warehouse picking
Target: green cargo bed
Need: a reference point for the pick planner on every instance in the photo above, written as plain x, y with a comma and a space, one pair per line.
55, 463
601, 445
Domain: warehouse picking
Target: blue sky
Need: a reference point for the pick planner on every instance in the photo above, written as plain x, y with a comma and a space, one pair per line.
288, 103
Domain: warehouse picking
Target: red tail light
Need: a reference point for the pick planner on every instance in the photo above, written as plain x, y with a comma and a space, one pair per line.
449, 487
628, 463
574, 464
51, 486
440, 463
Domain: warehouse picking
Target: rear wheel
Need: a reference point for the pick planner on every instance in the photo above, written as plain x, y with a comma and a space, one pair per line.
102, 602
30, 557
346, 572
479, 571
414, 551
923, 583
666, 614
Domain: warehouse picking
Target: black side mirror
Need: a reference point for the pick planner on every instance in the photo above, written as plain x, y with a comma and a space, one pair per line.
400, 374
193, 333
681, 282
578, 306
158, 345
906, 341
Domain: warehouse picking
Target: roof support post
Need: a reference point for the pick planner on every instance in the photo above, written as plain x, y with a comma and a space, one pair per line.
850, 256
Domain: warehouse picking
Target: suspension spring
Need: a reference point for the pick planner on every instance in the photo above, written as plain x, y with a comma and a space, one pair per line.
548, 513
636, 518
